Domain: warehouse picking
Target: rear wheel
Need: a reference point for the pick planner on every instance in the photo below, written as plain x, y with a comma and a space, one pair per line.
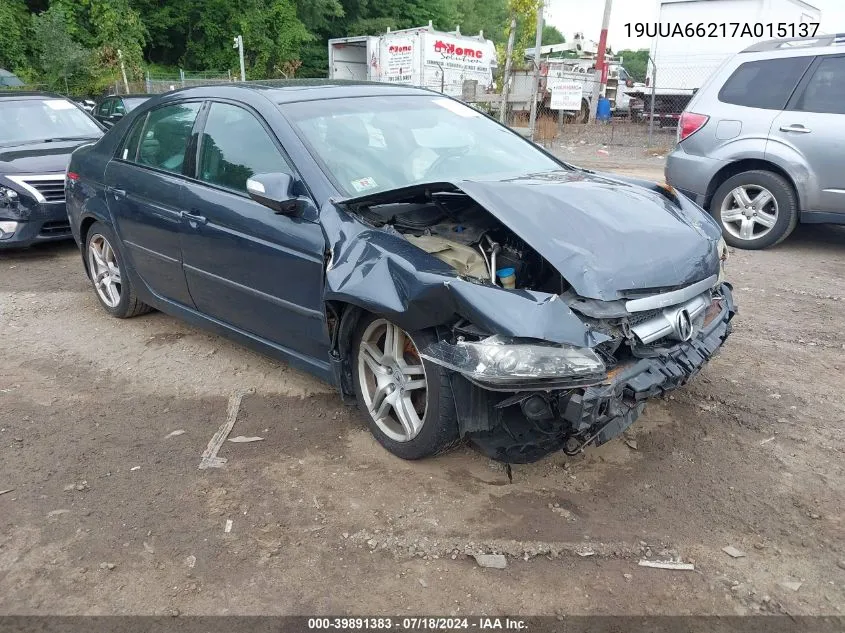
407, 400
756, 209
108, 274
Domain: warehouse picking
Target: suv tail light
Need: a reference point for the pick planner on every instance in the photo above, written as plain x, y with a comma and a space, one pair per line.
690, 123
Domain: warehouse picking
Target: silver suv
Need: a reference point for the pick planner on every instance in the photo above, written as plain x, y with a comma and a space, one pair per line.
762, 143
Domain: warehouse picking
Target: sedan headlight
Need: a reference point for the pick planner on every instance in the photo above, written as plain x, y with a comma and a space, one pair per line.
500, 362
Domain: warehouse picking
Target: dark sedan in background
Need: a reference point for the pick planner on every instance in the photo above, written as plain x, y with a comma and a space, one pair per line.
112, 109
38, 132
452, 277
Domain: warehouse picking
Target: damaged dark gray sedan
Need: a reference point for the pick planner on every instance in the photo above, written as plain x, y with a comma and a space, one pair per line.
450, 276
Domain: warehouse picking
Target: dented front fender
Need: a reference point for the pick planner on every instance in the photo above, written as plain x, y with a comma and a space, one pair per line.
381, 272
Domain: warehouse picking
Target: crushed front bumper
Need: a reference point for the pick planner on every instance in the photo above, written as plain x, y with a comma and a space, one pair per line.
499, 426
45, 222
604, 411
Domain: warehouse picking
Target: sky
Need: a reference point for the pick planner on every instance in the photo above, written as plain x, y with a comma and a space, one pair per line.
570, 16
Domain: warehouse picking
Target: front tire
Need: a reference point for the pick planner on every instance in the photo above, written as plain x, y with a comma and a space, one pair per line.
108, 274
406, 400
756, 209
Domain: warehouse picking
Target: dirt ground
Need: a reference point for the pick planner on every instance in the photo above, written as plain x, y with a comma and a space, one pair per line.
109, 514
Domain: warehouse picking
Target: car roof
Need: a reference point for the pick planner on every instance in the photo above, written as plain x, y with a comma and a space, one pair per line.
23, 94
291, 90
140, 95
821, 44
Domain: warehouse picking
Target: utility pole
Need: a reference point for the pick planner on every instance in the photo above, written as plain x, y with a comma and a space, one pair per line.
538, 43
123, 70
601, 63
506, 80
239, 44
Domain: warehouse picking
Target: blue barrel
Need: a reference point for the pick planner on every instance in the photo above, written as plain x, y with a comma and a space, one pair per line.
603, 109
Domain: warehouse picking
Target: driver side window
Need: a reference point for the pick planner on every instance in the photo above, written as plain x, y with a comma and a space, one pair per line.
166, 136
225, 159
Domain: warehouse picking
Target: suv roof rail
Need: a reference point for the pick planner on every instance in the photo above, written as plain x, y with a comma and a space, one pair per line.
797, 42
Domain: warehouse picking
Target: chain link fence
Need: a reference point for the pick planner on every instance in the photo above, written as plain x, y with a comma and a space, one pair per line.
158, 83
638, 114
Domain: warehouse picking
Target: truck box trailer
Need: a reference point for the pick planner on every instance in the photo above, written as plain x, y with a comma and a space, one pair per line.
417, 57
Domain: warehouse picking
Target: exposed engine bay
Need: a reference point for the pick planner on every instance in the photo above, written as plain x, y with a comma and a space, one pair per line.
521, 391
456, 230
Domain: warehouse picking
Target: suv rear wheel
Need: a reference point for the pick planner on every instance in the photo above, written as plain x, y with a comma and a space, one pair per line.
756, 209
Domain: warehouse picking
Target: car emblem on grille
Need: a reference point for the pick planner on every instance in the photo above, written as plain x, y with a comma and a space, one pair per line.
683, 325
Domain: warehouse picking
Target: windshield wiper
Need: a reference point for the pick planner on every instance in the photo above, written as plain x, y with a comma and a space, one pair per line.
54, 139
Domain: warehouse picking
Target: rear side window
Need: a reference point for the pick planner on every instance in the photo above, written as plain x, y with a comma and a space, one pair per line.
105, 107
166, 136
825, 91
764, 84
235, 146
129, 151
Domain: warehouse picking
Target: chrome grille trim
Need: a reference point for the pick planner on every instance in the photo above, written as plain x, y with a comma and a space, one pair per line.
42, 187
674, 297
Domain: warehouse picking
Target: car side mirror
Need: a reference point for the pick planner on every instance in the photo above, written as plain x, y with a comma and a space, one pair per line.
274, 191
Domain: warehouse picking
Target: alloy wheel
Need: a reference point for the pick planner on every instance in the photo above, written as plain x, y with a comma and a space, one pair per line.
749, 212
102, 262
393, 380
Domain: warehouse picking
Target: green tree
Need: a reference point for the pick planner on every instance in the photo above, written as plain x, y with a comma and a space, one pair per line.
371, 17
62, 63
319, 16
167, 26
276, 37
106, 27
14, 34
635, 62
552, 36
273, 35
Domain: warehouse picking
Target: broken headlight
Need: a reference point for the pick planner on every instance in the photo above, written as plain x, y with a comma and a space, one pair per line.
500, 362
8, 197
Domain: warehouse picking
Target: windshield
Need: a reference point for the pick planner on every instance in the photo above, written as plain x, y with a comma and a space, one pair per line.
33, 120
371, 144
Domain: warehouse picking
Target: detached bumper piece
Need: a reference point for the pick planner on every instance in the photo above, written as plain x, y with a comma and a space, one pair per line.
524, 427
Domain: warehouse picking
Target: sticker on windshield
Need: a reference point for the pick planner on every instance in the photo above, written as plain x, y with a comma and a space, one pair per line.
362, 184
458, 108
59, 104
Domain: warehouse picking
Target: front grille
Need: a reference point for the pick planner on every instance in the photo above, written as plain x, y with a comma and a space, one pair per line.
54, 229
52, 188
641, 317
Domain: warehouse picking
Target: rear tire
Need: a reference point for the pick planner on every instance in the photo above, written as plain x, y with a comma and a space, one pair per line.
380, 379
746, 221
107, 272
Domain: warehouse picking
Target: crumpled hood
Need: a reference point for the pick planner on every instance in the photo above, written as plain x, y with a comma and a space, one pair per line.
604, 235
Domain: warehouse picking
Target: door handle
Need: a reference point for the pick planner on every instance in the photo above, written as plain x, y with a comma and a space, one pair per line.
117, 193
194, 216
795, 128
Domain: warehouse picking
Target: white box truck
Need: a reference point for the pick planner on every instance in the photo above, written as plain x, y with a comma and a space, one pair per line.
417, 57
683, 64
